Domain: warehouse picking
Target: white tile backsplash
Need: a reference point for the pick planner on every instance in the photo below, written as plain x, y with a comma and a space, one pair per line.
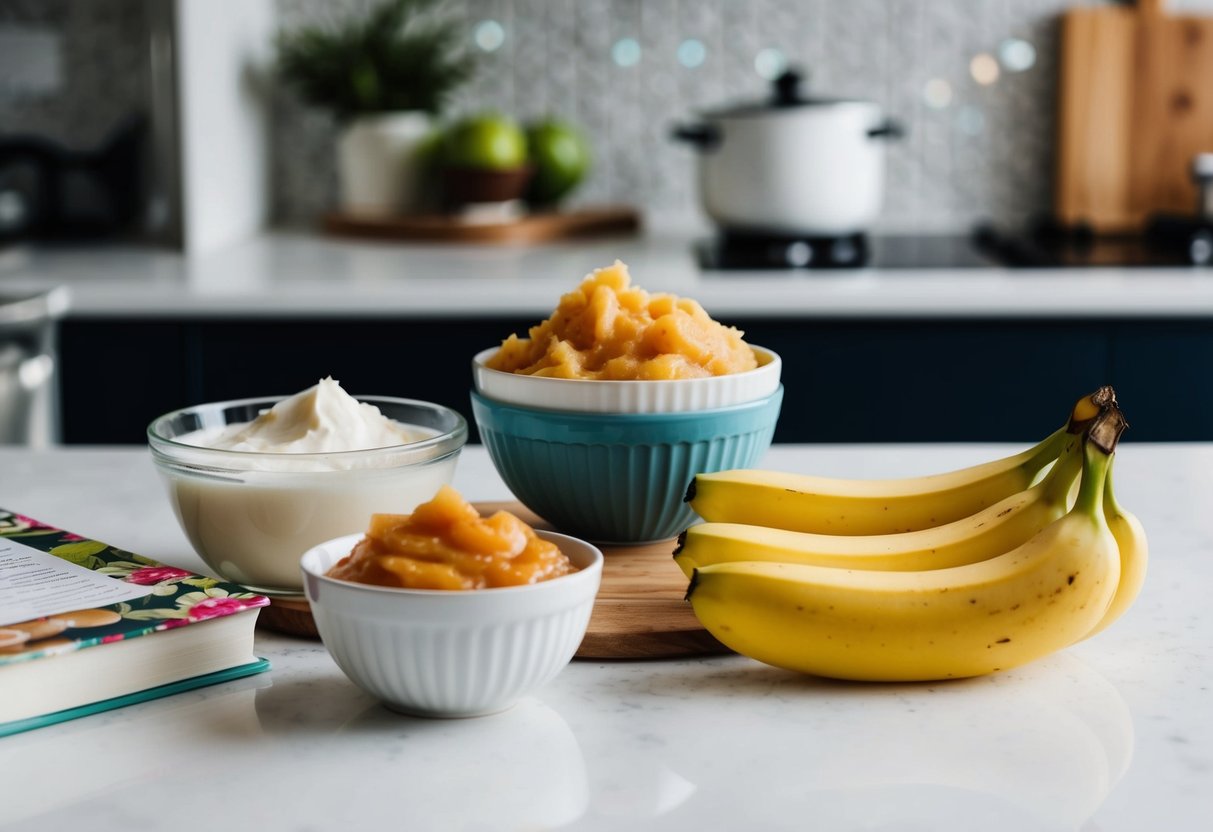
988, 154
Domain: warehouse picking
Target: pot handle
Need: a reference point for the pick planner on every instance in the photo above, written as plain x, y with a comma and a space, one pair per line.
700, 136
888, 129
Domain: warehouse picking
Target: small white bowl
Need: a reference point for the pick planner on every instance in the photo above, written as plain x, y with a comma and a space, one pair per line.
594, 396
440, 653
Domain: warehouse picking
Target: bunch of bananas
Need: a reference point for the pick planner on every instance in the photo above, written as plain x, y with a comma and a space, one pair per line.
938, 577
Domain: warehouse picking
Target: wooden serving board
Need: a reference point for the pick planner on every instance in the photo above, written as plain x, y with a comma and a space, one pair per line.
532, 228
639, 612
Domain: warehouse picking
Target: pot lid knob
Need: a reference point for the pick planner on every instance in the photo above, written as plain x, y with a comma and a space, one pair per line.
787, 88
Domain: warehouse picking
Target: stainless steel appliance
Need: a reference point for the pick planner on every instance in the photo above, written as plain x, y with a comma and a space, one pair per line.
29, 411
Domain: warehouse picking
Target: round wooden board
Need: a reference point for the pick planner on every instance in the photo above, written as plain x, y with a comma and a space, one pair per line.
639, 613
289, 616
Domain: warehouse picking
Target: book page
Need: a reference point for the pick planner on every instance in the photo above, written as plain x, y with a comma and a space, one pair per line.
34, 584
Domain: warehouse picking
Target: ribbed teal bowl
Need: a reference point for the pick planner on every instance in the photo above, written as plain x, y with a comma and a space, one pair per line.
619, 477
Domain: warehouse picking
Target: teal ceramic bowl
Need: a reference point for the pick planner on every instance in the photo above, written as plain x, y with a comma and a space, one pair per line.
619, 477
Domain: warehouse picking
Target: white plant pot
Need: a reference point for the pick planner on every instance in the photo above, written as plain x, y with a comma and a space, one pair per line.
379, 170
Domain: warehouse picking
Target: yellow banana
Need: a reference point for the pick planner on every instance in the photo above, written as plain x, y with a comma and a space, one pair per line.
824, 505
981, 536
1134, 555
936, 624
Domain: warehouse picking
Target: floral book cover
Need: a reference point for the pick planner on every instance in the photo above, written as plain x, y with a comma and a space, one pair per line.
154, 596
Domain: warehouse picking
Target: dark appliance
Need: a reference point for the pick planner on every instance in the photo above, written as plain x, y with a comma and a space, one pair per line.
48, 191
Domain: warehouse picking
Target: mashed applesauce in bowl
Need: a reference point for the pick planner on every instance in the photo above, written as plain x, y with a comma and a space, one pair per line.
643, 352
445, 613
255, 483
446, 544
601, 416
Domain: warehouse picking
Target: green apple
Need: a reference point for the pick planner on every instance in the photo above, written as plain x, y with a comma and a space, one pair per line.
488, 141
561, 157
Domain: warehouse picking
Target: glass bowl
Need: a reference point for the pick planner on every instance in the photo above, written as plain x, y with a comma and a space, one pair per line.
250, 516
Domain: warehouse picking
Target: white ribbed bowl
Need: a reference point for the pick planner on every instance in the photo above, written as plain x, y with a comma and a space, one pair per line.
440, 653
593, 396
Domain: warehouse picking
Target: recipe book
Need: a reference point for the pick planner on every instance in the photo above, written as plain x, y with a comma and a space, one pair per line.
86, 627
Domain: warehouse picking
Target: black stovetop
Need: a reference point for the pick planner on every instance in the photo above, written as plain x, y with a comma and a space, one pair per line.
1175, 241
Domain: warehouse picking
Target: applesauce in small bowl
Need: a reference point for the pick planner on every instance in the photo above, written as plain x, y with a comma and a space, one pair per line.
443, 613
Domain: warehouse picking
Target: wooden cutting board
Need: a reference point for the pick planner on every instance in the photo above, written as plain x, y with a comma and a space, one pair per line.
532, 228
639, 612
1135, 105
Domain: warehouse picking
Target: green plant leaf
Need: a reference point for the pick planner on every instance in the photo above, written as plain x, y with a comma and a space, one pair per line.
117, 567
158, 614
397, 56
201, 583
80, 552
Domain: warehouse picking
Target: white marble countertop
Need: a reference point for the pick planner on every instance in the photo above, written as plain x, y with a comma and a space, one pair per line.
298, 274
1115, 733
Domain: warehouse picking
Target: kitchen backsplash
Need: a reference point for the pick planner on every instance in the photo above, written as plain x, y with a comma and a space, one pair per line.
973, 81
626, 70
72, 70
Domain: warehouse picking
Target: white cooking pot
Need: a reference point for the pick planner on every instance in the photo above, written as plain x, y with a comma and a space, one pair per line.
793, 165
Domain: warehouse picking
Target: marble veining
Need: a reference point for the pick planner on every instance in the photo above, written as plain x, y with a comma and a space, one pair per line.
1111, 734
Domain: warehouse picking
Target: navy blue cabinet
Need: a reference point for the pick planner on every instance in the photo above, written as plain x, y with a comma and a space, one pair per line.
931, 381
845, 380
1162, 373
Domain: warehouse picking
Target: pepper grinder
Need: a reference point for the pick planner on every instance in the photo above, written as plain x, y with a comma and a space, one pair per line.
1202, 175
1189, 238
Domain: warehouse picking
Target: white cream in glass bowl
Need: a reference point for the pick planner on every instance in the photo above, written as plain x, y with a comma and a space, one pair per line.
255, 483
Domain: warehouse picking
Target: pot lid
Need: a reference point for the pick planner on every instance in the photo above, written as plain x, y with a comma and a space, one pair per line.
787, 93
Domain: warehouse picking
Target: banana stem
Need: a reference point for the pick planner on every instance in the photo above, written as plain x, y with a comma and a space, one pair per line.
1110, 506
1044, 452
1107, 427
1099, 445
1060, 480
1087, 409
1095, 463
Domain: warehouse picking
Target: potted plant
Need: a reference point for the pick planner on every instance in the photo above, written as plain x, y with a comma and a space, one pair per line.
384, 77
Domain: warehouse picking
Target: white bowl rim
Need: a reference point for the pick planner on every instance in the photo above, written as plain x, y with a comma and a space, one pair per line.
347, 542
773, 360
